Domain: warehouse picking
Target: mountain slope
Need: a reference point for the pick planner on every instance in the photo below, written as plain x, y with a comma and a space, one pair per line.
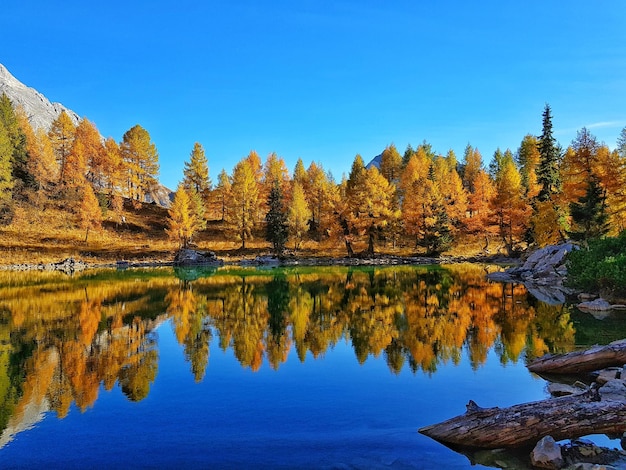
40, 111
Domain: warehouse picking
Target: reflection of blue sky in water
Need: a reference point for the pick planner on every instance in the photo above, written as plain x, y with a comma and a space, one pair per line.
329, 411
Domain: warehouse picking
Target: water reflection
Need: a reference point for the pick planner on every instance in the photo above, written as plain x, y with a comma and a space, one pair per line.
61, 338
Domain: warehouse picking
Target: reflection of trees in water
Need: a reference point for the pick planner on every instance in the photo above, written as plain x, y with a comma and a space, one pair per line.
60, 341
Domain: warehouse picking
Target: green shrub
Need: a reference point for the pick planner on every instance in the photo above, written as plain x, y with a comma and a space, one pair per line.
599, 268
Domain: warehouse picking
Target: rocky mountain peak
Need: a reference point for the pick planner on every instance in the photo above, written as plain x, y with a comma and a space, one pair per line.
40, 110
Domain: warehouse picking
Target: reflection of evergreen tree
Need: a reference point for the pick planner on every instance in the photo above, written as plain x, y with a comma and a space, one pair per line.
277, 302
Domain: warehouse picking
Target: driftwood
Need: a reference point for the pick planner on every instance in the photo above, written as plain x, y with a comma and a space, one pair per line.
523, 425
578, 362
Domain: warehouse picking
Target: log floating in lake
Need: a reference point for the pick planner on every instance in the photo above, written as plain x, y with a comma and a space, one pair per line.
578, 362
523, 425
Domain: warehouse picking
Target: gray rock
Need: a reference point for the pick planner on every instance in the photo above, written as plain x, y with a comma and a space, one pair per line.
189, 257
596, 305
547, 454
560, 390
614, 389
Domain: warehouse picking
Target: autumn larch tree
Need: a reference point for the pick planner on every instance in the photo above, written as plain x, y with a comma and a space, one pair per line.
528, 158
298, 215
510, 209
182, 222
89, 211
391, 164
221, 194
472, 164
61, 135
141, 161
243, 206
41, 163
276, 219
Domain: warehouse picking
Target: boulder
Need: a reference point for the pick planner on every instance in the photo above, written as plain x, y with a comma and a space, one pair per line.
189, 257
547, 454
542, 273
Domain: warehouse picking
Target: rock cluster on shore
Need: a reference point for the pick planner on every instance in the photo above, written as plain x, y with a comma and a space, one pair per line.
543, 273
68, 265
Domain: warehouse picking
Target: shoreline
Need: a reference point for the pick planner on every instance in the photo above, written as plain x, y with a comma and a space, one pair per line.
71, 265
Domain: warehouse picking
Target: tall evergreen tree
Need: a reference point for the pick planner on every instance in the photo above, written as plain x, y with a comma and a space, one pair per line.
548, 176
196, 171
276, 218
589, 214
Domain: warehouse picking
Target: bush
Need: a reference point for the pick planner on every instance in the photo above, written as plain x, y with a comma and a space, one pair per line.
601, 267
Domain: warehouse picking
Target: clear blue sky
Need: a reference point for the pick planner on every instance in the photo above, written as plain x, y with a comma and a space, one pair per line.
324, 80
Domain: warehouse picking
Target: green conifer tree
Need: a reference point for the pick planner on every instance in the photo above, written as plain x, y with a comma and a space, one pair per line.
276, 218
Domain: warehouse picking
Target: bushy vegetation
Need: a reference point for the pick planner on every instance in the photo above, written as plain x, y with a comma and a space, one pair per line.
601, 267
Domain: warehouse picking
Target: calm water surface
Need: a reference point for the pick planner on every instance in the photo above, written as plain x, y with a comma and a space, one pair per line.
283, 368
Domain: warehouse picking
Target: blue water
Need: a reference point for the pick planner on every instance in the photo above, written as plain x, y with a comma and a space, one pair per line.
328, 412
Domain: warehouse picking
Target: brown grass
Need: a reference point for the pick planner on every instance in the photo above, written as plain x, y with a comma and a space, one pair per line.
36, 236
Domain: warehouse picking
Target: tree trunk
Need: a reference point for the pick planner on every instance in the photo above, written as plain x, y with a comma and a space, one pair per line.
578, 362
524, 425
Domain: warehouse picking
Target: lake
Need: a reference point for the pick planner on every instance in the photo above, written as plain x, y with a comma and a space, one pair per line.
264, 368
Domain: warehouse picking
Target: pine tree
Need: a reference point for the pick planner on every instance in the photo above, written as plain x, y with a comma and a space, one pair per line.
589, 214
298, 215
22, 179
548, 176
6, 177
276, 218
196, 171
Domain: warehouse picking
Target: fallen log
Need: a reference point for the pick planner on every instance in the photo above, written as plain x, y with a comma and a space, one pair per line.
525, 424
578, 362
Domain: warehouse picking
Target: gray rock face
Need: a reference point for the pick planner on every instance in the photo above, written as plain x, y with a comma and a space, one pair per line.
40, 111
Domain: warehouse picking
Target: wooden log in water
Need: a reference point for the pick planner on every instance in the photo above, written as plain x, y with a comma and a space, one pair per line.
524, 425
578, 362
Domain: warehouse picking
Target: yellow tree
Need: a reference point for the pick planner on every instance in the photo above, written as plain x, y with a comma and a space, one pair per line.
112, 168
243, 207
298, 215
41, 164
450, 187
90, 214
509, 207
472, 164
391, 164
611, 171
371, 205
61, 135
141, 162
222, 193
182, 222
528, 158
94, 153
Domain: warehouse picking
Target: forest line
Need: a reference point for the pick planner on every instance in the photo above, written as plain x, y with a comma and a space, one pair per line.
539, 195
